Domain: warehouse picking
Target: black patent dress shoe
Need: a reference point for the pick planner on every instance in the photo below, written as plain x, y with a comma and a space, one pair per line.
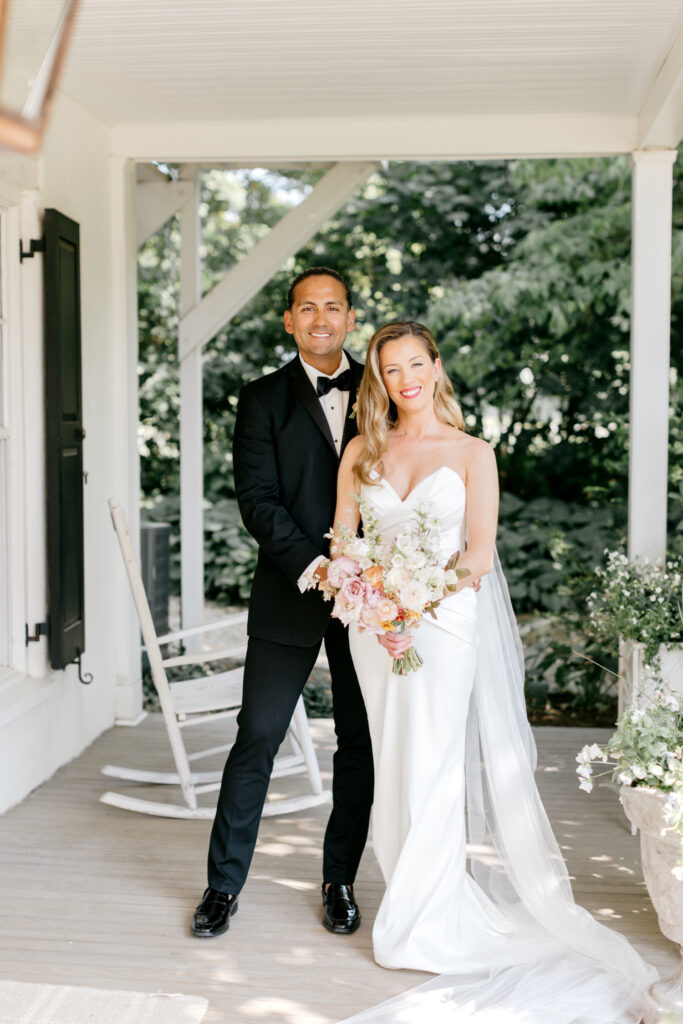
341, 913
212, 916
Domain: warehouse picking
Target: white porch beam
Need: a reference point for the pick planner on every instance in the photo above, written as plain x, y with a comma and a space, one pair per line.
157, 201
203, 321
650, 331
191, 426
486, 137
660, 124
242, 165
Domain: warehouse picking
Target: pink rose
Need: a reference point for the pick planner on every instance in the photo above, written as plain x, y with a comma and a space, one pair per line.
342, 568
348, 603
372, 596
352, 590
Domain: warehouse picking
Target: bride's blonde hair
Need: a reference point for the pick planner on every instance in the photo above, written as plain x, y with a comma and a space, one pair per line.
376, 412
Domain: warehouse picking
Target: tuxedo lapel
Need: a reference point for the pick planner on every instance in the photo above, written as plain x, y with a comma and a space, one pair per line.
303, 389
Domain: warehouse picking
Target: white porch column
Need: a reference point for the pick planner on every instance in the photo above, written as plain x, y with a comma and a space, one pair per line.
126, 472
191, 427
650, 328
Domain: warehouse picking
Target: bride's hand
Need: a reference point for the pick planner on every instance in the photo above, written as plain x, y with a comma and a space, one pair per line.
395, 643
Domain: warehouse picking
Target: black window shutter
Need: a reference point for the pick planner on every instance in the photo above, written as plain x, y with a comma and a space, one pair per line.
64, 444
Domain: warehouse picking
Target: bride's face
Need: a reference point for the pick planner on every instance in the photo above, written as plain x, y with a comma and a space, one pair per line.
408, 373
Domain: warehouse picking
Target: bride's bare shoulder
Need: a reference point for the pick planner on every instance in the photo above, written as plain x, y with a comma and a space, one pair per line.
474, 453
476, 446
479, 457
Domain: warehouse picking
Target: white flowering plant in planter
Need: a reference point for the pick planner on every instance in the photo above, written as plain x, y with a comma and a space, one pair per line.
645, 750
638, 601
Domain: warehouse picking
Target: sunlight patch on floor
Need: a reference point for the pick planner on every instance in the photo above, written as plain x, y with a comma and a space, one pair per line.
295, 883
281, 1011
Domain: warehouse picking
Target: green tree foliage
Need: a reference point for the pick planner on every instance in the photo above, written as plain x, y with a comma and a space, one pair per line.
522, 270
539, 346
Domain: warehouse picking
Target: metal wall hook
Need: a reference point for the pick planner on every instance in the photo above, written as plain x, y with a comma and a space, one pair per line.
87, 678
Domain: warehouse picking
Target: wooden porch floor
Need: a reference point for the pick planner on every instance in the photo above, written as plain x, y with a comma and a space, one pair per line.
92, 895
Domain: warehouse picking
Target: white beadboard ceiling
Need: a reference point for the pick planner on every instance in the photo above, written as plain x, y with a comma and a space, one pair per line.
181, 60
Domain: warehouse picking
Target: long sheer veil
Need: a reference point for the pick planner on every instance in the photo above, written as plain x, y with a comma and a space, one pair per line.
562, 967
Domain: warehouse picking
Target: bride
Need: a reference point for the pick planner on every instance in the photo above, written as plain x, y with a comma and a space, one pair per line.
454, 755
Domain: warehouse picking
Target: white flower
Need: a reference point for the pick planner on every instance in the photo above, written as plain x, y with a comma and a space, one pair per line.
655, 769
397, 578
405, 542
625, 778
637, 771
590, 753
434, 580
414, 596
585, 771
586, 785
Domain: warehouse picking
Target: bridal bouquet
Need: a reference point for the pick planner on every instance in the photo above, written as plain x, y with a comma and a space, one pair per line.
387, 585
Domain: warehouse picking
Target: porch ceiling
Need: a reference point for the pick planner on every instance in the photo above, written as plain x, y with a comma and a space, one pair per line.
279, 62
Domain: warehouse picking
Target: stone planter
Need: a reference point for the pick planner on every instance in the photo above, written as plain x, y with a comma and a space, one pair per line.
659, 853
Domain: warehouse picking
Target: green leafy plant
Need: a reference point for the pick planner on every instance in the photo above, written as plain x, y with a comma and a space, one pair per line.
638, 601
645, 750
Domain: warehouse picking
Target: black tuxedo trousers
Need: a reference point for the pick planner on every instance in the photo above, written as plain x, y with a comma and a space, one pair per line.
285, 476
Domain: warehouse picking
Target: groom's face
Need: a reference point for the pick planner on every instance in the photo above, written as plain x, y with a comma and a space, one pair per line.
320, 319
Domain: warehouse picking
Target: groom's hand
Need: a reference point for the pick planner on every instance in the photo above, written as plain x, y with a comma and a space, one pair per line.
395, 643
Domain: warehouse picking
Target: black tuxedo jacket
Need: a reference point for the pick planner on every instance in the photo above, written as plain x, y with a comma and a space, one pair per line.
286, 468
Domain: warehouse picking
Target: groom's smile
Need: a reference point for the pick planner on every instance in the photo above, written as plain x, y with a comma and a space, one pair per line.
319, 319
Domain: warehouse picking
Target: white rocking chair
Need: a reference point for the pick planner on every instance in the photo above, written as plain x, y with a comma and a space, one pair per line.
195, 701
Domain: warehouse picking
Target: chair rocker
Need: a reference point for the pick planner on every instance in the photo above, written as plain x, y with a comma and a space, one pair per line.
196, 701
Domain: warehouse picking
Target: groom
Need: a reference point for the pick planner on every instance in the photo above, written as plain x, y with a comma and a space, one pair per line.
292, 426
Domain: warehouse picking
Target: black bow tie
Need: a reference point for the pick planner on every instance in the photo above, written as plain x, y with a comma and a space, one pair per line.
326, 384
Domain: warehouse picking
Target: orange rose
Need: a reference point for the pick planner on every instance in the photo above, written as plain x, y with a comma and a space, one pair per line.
373, 575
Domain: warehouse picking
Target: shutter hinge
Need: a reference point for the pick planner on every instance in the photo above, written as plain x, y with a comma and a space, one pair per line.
35, 245
83, 677
41, 629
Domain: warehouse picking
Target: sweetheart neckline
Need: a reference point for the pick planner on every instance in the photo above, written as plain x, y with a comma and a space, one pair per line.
420, 482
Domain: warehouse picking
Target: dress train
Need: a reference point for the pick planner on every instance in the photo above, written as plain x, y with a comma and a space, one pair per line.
454, 769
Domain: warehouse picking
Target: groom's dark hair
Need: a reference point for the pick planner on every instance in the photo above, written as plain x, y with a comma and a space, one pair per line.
319, 272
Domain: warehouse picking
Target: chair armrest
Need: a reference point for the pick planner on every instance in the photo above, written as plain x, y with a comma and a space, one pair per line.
229, 620
235, 651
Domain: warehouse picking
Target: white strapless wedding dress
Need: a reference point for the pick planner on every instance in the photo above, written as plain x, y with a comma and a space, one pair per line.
454, 763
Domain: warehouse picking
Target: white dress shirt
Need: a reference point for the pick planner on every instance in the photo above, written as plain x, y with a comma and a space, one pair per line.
334, 405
